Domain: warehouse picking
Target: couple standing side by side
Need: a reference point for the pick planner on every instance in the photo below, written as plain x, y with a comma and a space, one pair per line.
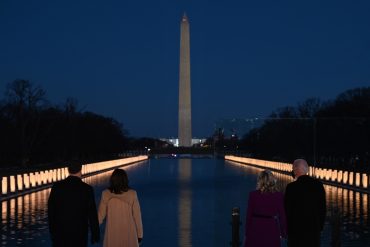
72, 211
299, 215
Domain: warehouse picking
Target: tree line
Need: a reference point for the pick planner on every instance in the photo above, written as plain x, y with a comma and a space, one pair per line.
334, 133
34, 131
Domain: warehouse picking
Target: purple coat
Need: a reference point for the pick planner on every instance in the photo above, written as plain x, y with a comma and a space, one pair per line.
262, 228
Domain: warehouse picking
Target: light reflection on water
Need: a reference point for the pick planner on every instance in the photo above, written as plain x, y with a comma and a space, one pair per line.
352, 207
185, 203
24, 219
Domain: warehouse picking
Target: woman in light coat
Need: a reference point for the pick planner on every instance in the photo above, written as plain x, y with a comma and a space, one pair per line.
120, 206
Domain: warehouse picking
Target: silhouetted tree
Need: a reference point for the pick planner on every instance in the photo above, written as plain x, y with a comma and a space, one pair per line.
35, 132
23, 104
336, 132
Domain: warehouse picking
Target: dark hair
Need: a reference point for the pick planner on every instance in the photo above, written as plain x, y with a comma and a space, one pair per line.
74, 167
118, 181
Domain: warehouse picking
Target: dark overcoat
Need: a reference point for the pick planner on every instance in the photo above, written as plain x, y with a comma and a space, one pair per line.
71, 211
305, 208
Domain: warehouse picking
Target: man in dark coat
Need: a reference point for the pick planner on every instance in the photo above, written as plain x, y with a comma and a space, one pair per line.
305, 208
72, 210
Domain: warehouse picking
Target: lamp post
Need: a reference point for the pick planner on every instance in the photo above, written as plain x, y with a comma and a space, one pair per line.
235, 226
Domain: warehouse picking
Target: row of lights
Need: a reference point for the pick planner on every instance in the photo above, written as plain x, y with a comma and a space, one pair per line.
281, 166
105, 165
21, 182
360, 180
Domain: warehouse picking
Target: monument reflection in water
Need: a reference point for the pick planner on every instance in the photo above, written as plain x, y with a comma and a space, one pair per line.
186, 203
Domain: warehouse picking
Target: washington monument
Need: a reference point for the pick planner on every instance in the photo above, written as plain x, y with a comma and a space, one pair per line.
184, 86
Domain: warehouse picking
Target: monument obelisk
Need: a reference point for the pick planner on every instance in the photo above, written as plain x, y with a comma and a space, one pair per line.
184, 86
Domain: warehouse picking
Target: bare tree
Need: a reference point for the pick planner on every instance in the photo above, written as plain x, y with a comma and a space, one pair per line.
309, 108
24, 102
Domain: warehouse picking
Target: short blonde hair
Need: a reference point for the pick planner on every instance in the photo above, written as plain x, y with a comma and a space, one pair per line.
266, 182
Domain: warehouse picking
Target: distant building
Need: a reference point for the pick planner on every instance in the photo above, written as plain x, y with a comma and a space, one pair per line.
236, 127
175, 141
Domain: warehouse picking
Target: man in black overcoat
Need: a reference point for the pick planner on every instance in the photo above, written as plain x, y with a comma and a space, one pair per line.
72, 210
305, 208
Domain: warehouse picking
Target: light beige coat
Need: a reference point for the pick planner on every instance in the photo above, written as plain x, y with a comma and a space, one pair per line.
123, 226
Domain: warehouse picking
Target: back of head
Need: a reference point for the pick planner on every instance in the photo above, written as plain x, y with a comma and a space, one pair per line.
74, 167
300, 167
266, 182
118, 181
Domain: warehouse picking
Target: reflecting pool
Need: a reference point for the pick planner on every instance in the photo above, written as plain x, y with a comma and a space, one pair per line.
185, 203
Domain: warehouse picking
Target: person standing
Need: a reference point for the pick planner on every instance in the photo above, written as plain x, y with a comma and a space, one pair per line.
265, 220
120, 205
72, 210
305, 207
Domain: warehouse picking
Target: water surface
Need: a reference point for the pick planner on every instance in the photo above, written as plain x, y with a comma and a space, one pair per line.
185, 203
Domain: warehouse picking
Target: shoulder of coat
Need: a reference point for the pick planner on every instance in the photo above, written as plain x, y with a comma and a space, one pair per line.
106, 192
131, 191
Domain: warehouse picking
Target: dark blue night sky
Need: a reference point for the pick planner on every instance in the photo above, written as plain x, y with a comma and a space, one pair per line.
120, 58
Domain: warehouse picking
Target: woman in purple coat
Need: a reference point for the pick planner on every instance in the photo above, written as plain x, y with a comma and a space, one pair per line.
265, 221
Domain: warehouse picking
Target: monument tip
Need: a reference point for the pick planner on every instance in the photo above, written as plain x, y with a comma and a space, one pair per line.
184, 17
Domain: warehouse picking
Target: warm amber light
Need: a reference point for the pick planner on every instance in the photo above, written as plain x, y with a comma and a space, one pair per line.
38, 180
4, 208
358, 179
20, 211
365, 181
345, 177
12, 184
12, 208
26, 180
100, 166
4, 185
32, 180
339, 176
20, 182
45, 177
334, 175
350, 178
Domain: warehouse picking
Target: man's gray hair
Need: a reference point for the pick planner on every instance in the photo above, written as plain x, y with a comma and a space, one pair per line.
301, 164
